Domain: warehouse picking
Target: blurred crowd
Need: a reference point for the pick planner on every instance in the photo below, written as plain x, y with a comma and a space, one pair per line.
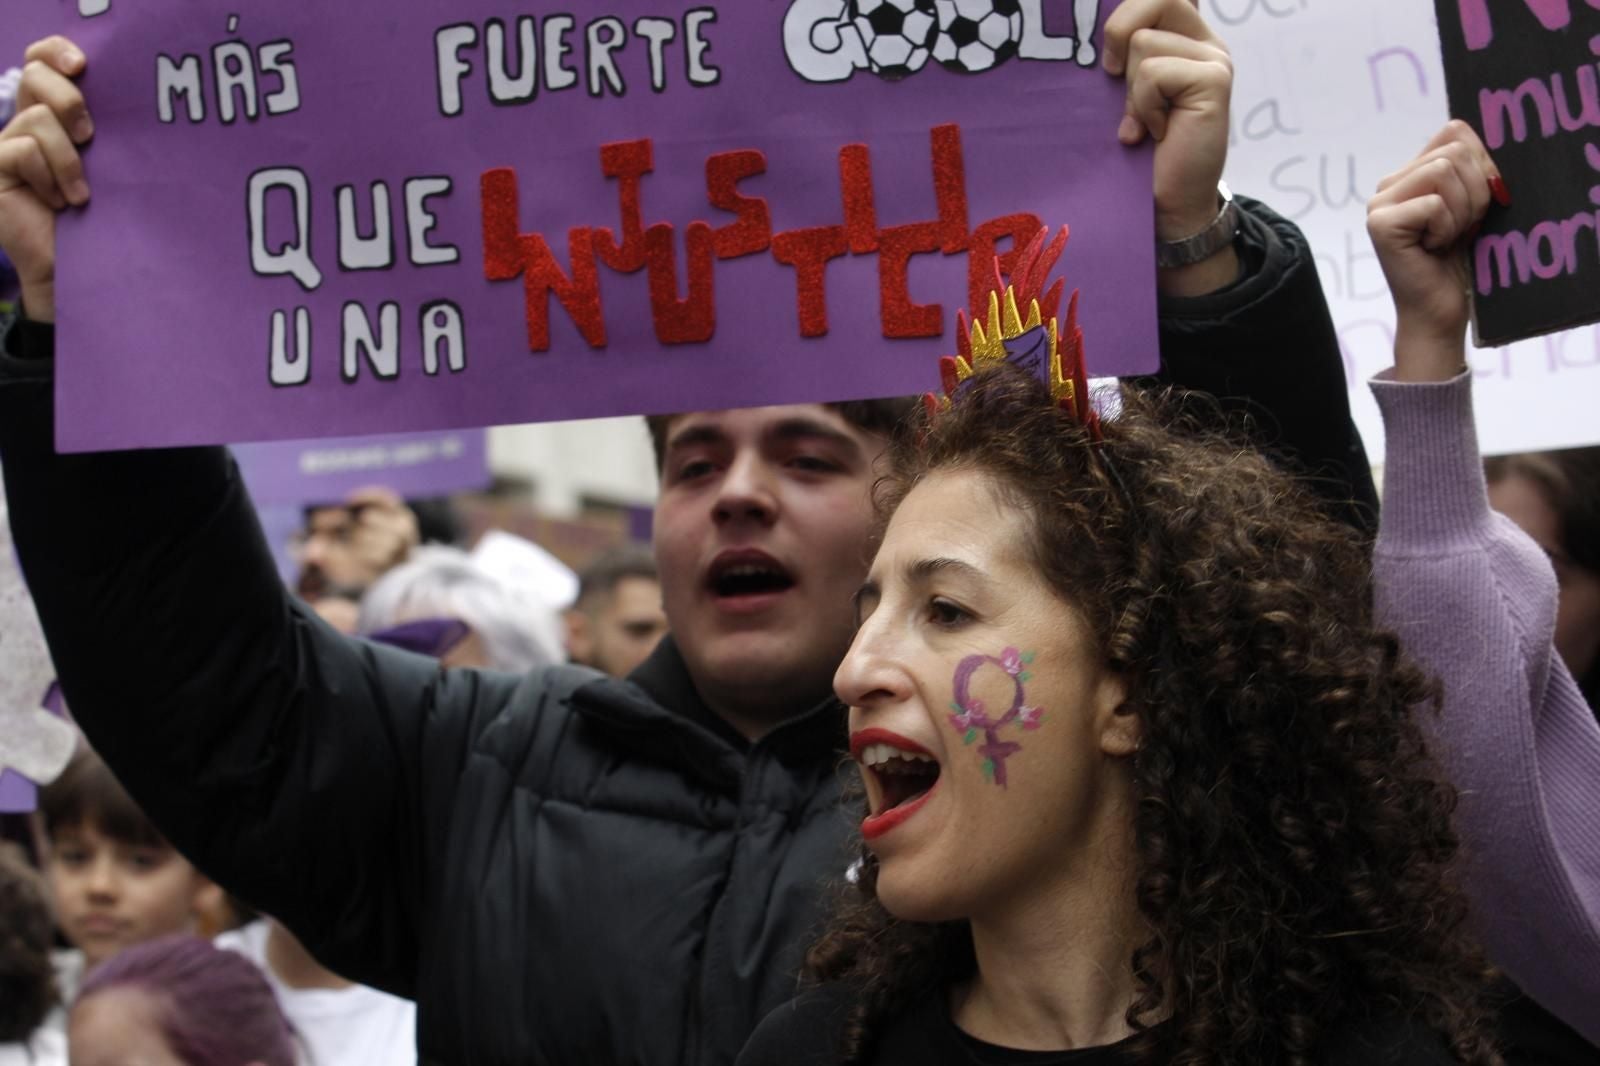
99, 912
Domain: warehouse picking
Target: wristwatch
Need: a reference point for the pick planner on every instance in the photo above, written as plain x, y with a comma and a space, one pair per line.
1208, 242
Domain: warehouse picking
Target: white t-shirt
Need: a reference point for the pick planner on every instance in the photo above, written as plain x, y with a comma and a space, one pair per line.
355, 1026
47, 1047
68, 964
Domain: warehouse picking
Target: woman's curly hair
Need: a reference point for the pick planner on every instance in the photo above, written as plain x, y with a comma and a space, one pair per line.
1293, 843
27, 978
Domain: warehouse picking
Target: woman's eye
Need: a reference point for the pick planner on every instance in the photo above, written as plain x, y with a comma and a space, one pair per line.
944, 613
812, 464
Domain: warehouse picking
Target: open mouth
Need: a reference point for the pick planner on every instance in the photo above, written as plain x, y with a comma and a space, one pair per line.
740, 574
903, 777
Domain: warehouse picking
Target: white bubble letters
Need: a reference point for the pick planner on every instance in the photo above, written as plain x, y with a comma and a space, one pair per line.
514, 62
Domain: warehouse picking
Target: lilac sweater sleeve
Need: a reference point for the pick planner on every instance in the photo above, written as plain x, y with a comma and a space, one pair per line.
1474, 601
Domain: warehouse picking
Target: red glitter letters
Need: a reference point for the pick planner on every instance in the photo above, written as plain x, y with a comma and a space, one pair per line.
691, 318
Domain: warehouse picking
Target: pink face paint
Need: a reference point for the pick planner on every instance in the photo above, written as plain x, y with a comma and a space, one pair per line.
973, 720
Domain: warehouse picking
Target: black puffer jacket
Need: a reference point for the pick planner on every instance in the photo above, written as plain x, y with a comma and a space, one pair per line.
560, 868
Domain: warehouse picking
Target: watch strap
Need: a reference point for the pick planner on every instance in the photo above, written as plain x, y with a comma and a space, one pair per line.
1208, 242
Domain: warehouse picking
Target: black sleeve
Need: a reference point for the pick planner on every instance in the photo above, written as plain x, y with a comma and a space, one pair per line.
304, 770
1266, 348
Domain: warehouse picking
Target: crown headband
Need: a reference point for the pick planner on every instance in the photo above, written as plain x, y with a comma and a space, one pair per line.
1037, 343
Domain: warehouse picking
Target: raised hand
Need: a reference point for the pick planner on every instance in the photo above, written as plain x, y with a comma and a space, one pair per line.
41, 171
1180, 80
1422, 219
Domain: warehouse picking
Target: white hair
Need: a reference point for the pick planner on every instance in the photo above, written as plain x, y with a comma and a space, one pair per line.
441, 582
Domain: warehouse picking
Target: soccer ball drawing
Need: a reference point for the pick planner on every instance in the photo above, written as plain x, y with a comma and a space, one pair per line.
975, 35
898, 35
830, 40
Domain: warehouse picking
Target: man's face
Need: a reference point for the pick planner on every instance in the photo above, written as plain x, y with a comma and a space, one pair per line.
331, 563
621, 629
761, 540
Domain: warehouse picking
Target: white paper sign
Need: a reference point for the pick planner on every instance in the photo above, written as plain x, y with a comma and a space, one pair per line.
33, 742
1330, 96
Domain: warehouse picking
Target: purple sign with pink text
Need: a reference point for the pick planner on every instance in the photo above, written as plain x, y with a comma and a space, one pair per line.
314, 219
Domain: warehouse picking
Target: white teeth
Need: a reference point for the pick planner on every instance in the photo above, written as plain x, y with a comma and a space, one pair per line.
881, 755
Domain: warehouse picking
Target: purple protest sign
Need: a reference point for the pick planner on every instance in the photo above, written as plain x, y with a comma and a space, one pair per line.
280, 523
18, 795
326, 471
357, 218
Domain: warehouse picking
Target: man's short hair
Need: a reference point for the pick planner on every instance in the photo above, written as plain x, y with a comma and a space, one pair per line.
601, 577
883, 417
88, 794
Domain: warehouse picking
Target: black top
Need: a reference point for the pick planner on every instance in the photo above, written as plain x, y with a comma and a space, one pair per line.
809, 1032
1532, 1036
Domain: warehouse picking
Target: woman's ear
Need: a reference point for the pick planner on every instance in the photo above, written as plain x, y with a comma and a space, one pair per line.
1120, 731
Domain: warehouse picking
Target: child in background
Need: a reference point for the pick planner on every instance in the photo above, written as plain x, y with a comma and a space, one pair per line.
27, 980
179, 1001
114, 879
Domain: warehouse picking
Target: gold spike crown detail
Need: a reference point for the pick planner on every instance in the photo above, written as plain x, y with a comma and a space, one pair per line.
1005, 324
984, 342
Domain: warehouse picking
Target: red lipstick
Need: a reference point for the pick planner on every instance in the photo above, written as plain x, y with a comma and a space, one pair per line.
865, 738
876, 825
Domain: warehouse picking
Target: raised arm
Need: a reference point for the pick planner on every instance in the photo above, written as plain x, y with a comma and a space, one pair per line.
1474, 600
302, 770
1248, 323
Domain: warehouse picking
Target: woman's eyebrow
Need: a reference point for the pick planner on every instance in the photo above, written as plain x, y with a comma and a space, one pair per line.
920, 570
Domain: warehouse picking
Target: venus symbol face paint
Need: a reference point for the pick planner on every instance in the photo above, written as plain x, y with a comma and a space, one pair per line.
972, 719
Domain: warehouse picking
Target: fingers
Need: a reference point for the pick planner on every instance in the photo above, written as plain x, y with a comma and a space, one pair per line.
1164, 83
1458, 171
1426, 220
43, 85
1457, 132
1181, 17
1464, 198
22, 162
59, 53
1150, 43
1206, 70
1456, 141
41, 155
52, 119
